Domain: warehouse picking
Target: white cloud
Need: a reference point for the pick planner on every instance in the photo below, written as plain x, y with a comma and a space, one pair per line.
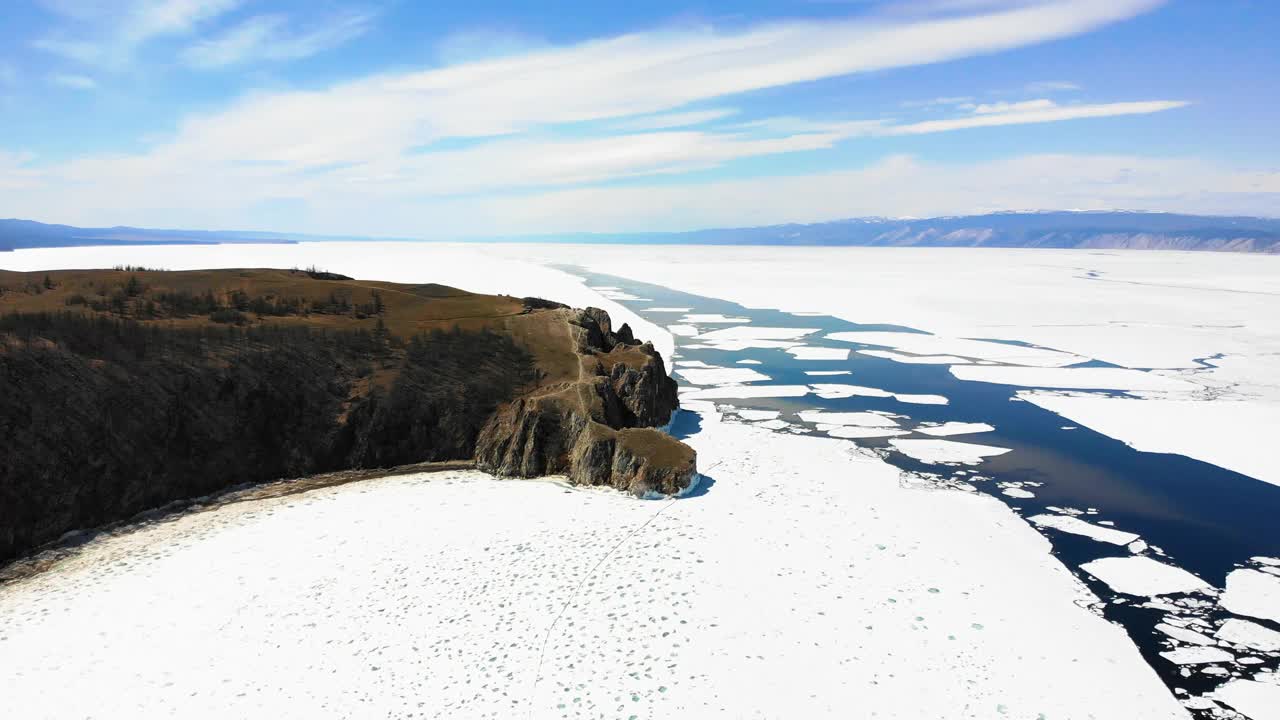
109, 33
895, 186
1050, 86
74, 82
268, 37
486, 44
619, 77
369, 145
935, 102
1007, 107
675, 120
1036, 111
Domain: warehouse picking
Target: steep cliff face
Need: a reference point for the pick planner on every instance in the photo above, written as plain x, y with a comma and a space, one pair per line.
596, 429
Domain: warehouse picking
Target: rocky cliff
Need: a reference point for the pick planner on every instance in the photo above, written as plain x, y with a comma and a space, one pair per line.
597, 427
122, 391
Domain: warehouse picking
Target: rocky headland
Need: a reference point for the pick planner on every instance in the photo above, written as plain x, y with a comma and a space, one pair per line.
129, 389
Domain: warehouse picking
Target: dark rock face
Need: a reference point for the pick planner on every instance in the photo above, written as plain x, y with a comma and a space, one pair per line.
102, 419
597, 430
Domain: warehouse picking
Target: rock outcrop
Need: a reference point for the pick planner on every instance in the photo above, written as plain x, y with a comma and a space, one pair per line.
597, 429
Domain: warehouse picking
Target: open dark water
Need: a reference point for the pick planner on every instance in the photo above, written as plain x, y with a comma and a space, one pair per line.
1202, 518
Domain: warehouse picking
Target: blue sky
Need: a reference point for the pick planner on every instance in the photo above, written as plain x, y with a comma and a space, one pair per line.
403, 118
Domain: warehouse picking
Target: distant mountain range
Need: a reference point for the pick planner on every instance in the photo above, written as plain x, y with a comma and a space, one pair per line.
1051, 229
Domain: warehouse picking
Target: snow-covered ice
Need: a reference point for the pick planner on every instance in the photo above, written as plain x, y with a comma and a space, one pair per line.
1249, 634
743, 392
1257, 700
436, 594
921, 344
1209, 430
720, 376
835, 391
1252, 593
954, 428
915, 359
1185, 635
854, 432
748, 414
810, 352
946, 451
1197, 655
1072, 378
713, 318
865, 419
920, 399
1076, 526
756, 332
1140, 575
818, 373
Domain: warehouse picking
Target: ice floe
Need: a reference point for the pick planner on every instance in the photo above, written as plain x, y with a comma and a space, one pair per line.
743, 392
1197, 655
711, 318
748, 414
920, 399
744, 344
853, 432
1227, 433
955, 428
1092, 378
668, 309
915, 359
1076, 526
808, 352
756, 332
817, 373
1017, 492
1249, 634
1252, 593
1256, 700
864, 419
720, 376
947, 451
1140, 575
1185, 635
750, 362
835, 391
921, 344
683, 330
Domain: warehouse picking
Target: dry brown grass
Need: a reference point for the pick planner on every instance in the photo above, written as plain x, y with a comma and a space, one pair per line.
409, 308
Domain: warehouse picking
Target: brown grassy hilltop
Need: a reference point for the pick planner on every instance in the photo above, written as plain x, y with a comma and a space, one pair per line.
126, 389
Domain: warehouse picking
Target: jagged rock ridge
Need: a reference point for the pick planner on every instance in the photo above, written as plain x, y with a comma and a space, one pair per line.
598, 429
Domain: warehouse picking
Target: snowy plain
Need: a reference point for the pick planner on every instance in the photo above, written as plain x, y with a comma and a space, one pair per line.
434, 595
871, 585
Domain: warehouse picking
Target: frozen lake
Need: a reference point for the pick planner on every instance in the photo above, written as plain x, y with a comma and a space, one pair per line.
894, 523
1092, 495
